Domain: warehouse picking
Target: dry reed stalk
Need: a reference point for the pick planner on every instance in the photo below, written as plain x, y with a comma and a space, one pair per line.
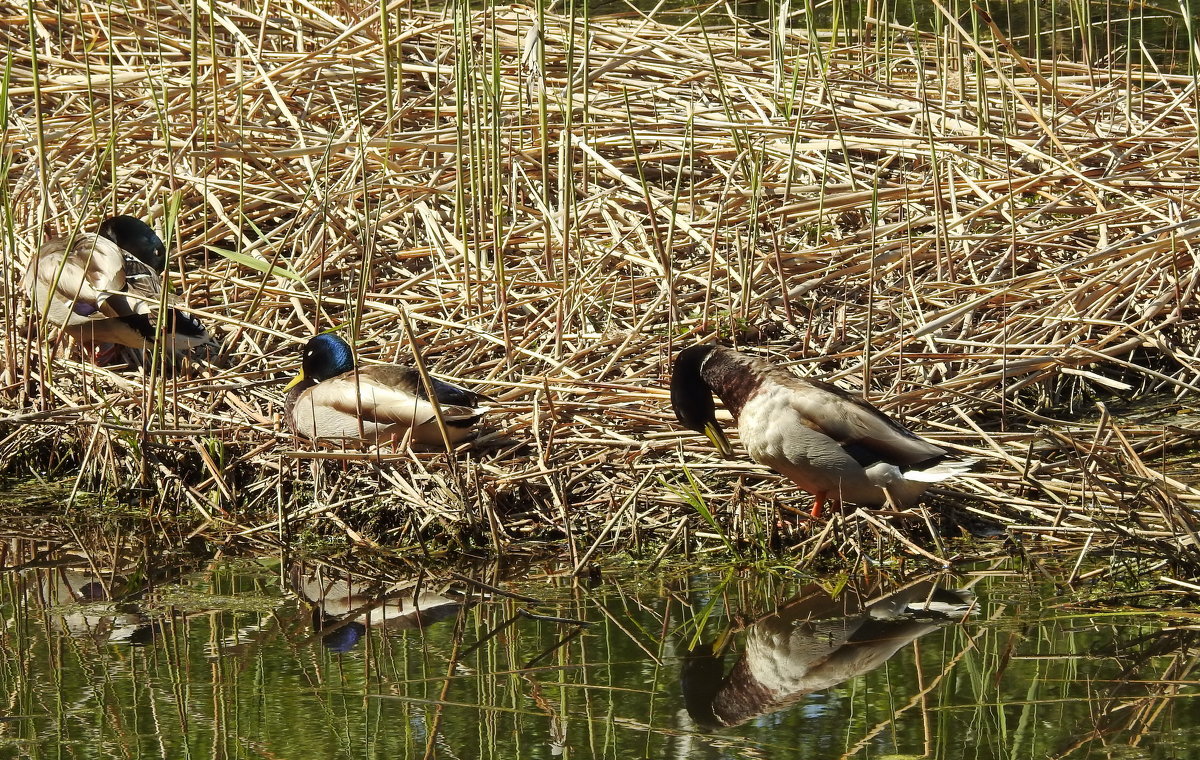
972, 239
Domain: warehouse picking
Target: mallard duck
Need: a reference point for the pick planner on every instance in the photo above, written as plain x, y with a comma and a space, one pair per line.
329, 398
836, 447
105, 287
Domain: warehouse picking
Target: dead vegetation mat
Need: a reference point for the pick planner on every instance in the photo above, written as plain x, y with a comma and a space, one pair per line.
992, 249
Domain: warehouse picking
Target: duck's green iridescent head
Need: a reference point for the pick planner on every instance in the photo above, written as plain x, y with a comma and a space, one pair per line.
325, 356
692, 399
136, 237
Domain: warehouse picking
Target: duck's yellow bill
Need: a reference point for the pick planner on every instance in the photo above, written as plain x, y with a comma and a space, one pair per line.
723, 640
717, 436
294, 381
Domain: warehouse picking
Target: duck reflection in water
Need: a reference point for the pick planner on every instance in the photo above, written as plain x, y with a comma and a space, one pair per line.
811, 643
86, 598
85, 605
344, 605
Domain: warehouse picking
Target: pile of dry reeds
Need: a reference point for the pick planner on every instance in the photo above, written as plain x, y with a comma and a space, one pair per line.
547, 208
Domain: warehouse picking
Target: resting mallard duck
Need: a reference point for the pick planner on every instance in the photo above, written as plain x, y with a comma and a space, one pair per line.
829, 443
106, 288
329, 398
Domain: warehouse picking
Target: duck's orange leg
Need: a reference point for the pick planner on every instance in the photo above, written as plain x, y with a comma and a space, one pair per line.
104, 354
818, 503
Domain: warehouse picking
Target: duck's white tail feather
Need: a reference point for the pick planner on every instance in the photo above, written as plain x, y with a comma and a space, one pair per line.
950, 609
467, 413
940, 472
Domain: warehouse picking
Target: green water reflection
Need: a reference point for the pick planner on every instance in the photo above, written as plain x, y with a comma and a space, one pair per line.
157, 655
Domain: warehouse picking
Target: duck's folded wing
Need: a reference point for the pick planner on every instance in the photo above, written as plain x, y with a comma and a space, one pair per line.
139, 305
138, 290
863, 430
73, 286
389, 394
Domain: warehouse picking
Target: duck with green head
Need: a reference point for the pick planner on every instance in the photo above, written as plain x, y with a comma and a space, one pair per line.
835, 446
332, 398
106, 288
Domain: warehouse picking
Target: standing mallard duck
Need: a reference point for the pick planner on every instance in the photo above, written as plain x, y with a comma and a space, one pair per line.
329, 398
106, 288
829, 443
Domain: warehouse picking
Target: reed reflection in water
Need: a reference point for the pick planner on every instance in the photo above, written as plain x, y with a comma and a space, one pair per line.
256, 657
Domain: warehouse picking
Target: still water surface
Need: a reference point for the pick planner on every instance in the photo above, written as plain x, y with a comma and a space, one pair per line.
157, 654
